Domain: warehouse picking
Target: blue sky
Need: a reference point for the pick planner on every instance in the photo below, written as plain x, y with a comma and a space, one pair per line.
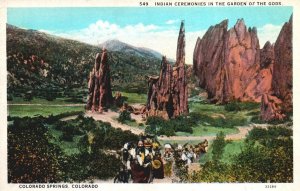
152, 27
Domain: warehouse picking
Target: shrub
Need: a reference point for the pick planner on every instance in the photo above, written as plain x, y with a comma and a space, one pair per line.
123, 116
151, 130
83, 166
263, 164
238, 106
218, 146
31, 157
9, 97
66, 137
35, 156
28, 96
232, 106
50, 97
166, 130
182, 123
249, 105
159, 126
267, 156
104, 166
76, 167
257, 119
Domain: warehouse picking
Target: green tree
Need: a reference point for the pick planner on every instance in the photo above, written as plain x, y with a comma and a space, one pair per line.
218, 146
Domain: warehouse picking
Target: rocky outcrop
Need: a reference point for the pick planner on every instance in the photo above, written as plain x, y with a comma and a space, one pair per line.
168, 92
230, 66
271, 108
261, 83
227, 62
282, 82
281, 94
99, 86
180, 90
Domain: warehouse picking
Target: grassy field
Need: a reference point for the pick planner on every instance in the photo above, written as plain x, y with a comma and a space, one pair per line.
202, 130
38, 106
231, 149
35, 100
134, 98
215, 118
218, 111
193, 142
44, 110
221, 117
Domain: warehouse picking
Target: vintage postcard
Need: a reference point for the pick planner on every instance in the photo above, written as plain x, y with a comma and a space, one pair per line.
102, 95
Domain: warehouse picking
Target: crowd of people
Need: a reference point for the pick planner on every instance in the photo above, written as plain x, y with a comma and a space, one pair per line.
147, 159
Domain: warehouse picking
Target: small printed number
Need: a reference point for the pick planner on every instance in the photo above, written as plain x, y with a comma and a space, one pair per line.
143, 3
270, 186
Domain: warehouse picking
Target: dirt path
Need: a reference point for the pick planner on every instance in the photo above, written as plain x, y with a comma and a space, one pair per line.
243, 131
110, 117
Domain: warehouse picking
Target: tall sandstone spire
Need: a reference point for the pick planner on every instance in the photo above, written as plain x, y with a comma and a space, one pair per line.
180, 82
100, 94
168, 93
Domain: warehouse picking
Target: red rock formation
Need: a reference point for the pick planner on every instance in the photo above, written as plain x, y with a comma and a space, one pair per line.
230, 66
100, 94
282, 83
208, 60
261, 84
160, 99
271, 108
168, 92
226, 62
180, 95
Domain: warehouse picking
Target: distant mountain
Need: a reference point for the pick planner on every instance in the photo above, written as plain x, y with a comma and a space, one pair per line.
116, 45
40, 62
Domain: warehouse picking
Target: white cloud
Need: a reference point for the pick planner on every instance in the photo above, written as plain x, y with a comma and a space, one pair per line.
169, 22
140, 35
46, 31
268, 32
152, 36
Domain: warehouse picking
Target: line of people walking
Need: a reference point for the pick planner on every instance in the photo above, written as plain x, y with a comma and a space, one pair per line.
146, 160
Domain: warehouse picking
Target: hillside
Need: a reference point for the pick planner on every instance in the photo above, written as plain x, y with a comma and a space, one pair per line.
40, 63
116, 45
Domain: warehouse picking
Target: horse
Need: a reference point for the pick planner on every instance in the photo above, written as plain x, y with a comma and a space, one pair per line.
201, 148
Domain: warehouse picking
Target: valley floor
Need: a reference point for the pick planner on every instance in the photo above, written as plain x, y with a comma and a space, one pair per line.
111, 116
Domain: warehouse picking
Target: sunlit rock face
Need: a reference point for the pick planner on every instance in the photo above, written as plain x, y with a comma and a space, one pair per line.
168, 92
99, 86
279, 102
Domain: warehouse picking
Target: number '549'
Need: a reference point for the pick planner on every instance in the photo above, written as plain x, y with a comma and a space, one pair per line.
143, 3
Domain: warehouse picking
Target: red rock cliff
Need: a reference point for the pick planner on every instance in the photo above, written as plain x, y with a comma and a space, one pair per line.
227, 62
279, 101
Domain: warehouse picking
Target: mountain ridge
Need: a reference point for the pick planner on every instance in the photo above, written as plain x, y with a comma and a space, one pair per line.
42, 62
117, 45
